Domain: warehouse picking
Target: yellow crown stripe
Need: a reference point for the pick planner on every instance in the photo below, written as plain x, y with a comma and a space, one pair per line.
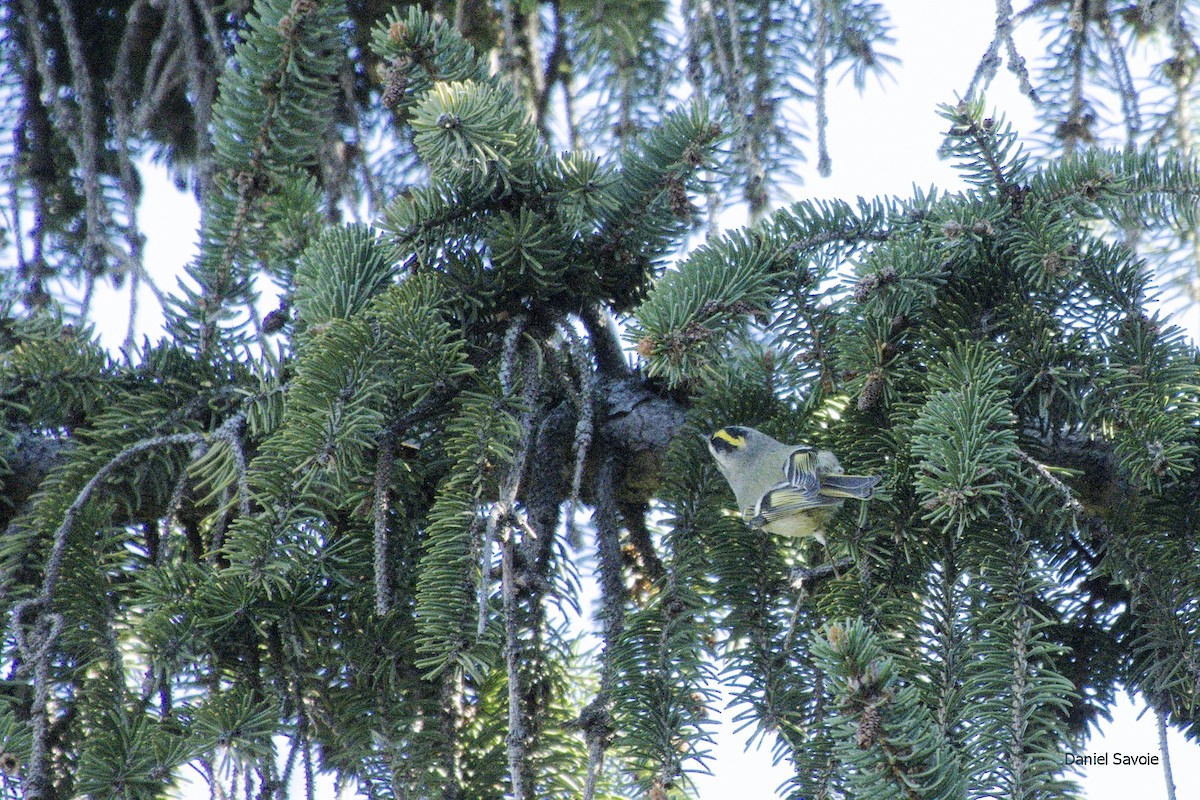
736, 441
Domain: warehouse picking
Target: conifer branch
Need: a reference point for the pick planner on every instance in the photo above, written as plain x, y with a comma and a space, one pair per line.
54, 561
608, 546
37, 650
596, 719
515, 739
1160, 724
120, 89
980, 132
553, 74
824, 165
1076, 128
605, 341
508, 43
806, 578
728, 60
32, 457
585, 423
990, 62
381, 506
452, 717
503, 508
1070, 503
545, 488
86, 142
1125, 88
647, 560
158, 549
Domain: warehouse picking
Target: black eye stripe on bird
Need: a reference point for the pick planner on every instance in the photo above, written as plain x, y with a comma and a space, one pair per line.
786, 489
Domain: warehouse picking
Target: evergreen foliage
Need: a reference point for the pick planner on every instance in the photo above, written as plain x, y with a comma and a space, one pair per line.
354, 548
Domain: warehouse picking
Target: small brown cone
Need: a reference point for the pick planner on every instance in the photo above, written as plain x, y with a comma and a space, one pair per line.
872, 391
870, 724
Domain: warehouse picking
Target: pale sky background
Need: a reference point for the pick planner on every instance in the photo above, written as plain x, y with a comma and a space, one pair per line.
882, 143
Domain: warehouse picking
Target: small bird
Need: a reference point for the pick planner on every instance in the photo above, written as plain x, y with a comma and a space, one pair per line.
789, 489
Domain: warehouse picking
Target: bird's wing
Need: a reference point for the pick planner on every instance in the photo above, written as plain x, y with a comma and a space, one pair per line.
799, 490
800, 471
856, 486
784, 499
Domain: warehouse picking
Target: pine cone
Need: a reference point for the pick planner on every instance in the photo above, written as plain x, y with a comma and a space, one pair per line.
866, 285
395, 84
275, 321
870, 725
869, 283
872, 391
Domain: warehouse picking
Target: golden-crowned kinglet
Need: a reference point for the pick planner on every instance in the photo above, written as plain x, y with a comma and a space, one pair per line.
790, 489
